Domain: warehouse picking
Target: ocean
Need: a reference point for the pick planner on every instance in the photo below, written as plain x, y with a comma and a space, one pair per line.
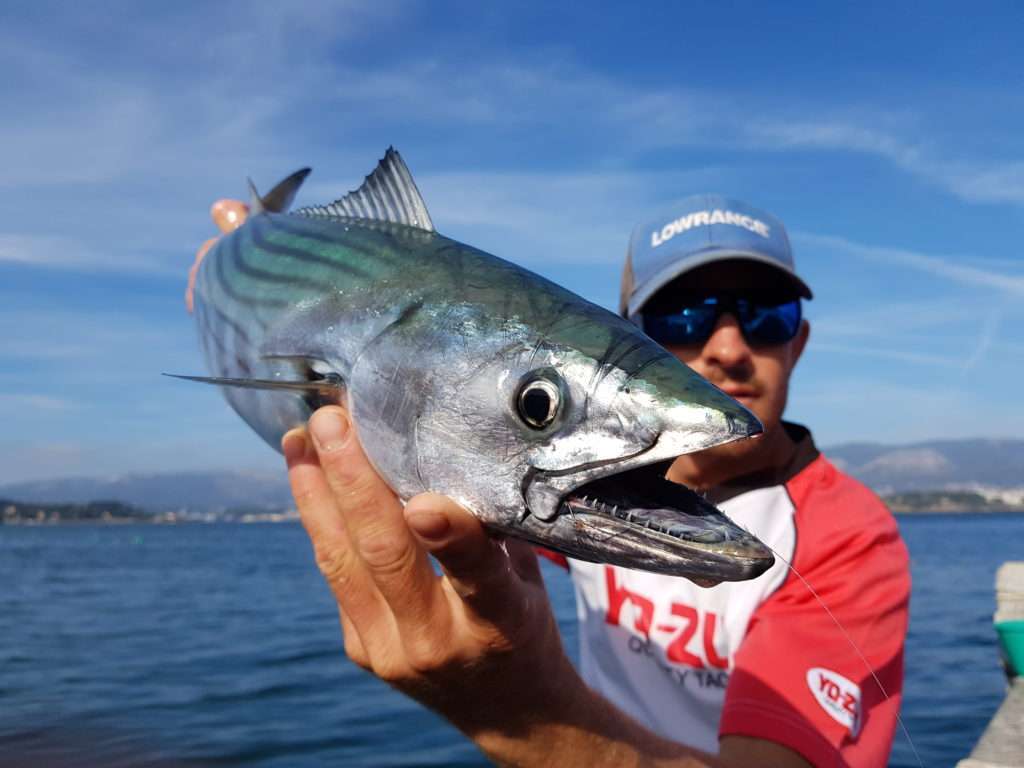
219, 645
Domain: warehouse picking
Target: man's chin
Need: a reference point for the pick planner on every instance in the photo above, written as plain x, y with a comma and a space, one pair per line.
740, 450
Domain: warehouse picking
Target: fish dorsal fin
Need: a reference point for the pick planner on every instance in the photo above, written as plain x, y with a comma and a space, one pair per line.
279, 199
387, 194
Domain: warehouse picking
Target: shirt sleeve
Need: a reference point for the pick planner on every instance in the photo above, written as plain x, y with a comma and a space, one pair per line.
803, 681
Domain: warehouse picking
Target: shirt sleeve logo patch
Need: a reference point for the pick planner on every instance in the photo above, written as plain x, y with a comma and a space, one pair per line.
837, 696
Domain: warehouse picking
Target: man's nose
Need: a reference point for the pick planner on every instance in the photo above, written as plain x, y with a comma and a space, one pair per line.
726, 346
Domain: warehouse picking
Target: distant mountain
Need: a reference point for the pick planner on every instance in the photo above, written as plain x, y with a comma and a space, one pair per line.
193, 491
933, 465
889, 469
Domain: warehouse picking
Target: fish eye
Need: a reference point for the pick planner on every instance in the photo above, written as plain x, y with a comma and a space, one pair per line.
538, 403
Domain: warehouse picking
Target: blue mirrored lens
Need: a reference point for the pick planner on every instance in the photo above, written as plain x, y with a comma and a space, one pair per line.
769, 325
761, 325
690, 325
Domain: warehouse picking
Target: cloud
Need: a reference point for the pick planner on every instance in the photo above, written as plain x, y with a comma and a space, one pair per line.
177, 88
970, 179
988, 336
194, 95
33, 401
937, 266
86, 351
976, 182
59, 252
967, 329
503, 95
888, 354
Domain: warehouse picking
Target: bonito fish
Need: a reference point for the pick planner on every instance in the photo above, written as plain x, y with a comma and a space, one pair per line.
550, 418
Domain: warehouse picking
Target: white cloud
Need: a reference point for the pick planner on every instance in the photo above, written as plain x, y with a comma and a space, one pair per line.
203, 83
902, 356
80, 347
958, 271
639, 118
59, 252
13, 401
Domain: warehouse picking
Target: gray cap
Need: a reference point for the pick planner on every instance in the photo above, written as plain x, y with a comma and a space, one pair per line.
696, 231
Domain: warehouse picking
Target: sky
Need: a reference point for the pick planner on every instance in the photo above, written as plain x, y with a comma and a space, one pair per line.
886, 137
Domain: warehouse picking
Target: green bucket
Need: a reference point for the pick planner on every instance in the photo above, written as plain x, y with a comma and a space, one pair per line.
1011, 639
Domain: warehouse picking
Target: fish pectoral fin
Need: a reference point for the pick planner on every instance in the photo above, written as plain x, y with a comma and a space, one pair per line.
330, 384
387, 194
280, 198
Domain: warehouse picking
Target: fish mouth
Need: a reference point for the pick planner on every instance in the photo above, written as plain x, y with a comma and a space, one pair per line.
625, 512
639, 519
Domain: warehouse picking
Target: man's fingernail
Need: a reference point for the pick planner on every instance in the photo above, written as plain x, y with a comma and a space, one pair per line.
432, 526
330, 428
293, 445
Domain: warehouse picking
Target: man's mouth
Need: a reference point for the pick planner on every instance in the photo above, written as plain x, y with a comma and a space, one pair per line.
738, 393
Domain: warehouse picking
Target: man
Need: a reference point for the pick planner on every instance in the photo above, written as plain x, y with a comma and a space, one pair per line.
671, 673
712, 280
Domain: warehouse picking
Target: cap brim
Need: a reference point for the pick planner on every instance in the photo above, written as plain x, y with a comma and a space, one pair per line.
670, 273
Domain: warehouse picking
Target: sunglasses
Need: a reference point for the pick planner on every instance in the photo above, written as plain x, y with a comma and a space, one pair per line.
693, 323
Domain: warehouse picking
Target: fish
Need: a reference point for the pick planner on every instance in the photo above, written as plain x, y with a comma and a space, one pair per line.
551, 419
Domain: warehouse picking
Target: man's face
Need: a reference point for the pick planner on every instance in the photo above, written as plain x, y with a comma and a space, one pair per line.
756, 375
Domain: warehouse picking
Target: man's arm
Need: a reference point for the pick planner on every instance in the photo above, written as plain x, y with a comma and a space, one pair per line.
479, 645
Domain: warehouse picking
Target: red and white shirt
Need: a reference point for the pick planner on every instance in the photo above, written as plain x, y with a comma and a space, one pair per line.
763, 658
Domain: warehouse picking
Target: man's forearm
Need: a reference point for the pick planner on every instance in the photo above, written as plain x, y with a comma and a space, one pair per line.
576, 726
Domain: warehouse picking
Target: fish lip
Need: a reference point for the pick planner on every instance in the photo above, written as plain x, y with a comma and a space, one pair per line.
671, 529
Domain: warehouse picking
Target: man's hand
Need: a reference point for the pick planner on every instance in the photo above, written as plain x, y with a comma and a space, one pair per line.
479, 644
228, 215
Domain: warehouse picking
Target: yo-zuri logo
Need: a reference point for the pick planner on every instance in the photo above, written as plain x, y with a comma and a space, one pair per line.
837, 696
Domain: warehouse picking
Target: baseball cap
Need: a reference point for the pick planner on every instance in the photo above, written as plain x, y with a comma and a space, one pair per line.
696, 231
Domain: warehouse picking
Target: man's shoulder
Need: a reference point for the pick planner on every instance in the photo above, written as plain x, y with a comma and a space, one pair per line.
843, 527
821, 484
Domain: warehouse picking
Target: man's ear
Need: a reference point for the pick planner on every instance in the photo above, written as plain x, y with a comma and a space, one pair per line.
799, 342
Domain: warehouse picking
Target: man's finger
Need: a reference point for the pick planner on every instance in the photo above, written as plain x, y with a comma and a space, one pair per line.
353, 588
354, 647
193, 272
228, 214
477, 566
373, 517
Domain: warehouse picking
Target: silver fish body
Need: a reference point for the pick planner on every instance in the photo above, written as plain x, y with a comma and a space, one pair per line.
470, 376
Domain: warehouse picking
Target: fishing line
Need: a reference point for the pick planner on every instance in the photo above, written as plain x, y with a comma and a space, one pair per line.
842, 629
853, 645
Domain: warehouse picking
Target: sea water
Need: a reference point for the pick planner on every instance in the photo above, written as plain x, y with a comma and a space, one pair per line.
202, 645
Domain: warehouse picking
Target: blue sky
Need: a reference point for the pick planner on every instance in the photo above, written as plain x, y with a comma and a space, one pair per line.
888, 140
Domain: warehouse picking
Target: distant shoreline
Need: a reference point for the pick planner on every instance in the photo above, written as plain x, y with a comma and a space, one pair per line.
950, 501
115, 514
956, 511
53, 523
